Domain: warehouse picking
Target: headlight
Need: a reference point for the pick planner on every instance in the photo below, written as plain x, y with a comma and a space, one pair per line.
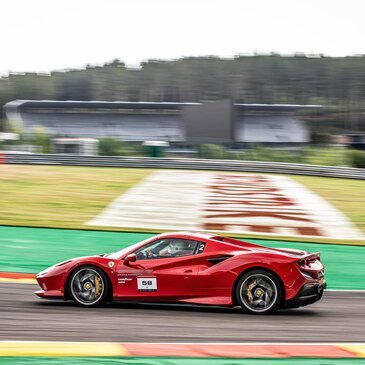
63, 263
44, 272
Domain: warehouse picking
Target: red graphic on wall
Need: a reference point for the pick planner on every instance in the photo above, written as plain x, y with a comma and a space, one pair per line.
256, 204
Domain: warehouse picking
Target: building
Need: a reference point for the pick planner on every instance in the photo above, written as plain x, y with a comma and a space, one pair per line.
75, 146
209, 122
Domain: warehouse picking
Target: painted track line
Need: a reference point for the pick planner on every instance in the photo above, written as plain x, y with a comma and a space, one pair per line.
230, 350
16, 277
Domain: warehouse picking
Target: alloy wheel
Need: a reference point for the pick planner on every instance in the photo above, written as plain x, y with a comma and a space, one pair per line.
87, 286
258, 292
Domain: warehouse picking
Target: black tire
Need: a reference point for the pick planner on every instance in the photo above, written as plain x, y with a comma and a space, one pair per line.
88, 286
259, 292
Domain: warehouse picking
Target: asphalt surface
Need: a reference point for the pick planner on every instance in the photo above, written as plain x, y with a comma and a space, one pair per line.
339, 316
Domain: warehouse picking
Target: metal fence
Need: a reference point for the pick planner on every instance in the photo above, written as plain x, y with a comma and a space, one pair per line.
184, 163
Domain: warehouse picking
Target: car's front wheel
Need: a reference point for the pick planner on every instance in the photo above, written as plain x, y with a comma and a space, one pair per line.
88, 286
259, 292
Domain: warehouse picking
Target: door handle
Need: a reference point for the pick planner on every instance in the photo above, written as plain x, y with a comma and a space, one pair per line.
188, 271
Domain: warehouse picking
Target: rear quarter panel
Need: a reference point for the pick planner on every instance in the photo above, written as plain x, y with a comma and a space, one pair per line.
222, 276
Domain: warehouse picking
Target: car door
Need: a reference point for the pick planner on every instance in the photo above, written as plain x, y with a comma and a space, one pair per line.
160, 273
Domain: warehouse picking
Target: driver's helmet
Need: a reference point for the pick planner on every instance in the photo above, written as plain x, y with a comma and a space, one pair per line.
176, 246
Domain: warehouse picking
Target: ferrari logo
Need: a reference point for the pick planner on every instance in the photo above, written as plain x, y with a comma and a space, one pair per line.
111, 263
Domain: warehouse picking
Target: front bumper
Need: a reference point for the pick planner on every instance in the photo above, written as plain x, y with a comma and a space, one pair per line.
308, 294
51, 286
49, 294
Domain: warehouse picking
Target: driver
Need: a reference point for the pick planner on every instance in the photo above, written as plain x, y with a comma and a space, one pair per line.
176, 248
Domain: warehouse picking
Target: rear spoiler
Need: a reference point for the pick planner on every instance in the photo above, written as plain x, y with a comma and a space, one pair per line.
301, 255
306, 260
312, 256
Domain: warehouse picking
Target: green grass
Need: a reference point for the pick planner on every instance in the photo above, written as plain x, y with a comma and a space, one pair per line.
346, 195
67, 197
60, 196
313, 155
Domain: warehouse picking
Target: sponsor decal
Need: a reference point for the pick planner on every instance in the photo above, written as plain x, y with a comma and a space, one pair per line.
227, 202
123, 280
146, 284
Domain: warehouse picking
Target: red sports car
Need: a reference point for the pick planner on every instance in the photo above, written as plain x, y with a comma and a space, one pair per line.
197, 268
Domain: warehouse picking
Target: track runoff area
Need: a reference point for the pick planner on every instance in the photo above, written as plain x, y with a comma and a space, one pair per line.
34, 332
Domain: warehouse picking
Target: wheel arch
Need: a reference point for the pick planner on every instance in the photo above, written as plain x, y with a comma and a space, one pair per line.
254, 268
66, 289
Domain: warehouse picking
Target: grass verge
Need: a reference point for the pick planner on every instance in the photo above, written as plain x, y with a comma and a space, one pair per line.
60, 196
69, 196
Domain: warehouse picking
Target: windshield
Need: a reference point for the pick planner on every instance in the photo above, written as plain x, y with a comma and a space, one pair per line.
118, 254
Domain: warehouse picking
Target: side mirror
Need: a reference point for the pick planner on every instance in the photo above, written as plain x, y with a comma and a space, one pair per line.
130, 258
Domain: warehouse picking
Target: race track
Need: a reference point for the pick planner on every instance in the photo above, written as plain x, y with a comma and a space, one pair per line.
23, 316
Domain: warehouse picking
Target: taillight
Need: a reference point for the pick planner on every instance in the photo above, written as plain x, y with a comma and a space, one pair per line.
303, 263
306, 263
307, 275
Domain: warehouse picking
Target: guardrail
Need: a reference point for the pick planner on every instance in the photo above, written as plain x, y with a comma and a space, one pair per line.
184, 163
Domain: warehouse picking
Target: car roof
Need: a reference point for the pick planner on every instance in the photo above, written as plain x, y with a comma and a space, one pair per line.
189, 235
206, 236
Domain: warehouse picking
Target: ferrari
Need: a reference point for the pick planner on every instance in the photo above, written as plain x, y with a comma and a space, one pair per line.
194, 268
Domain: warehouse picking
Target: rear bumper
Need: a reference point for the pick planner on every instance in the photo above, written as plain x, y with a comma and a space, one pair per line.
308, 294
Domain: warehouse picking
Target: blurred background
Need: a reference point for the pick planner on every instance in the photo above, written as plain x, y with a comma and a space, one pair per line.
298, 108
98, 99
276, 81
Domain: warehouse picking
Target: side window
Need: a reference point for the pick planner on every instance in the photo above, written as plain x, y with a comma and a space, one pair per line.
171, 247
151, 250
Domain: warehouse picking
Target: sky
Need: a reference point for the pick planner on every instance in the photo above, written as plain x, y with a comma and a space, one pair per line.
45, 35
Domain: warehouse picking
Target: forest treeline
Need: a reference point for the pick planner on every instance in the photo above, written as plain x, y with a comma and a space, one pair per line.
337, 83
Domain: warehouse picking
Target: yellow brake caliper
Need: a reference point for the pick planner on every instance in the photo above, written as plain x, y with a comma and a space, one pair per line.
249, 289
97, 285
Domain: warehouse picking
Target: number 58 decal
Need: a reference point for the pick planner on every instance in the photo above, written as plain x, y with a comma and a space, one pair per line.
147, 284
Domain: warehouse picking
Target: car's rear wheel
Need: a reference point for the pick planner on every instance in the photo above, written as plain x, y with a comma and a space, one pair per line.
88, 286
259, 292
